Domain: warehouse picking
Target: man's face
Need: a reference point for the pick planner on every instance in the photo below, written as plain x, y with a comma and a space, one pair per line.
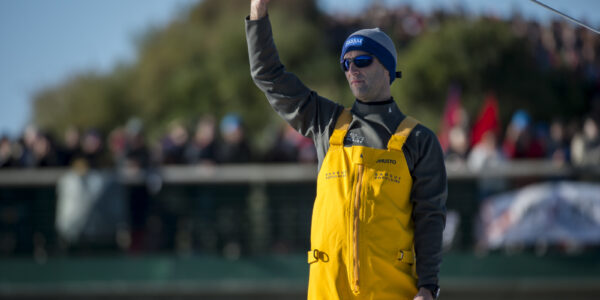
370, 83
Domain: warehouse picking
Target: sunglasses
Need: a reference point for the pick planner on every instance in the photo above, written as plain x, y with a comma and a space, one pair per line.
360, 61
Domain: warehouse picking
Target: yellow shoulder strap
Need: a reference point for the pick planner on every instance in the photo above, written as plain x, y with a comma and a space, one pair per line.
341, 127
402, 132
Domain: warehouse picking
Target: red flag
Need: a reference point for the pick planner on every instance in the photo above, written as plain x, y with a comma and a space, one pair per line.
487, 120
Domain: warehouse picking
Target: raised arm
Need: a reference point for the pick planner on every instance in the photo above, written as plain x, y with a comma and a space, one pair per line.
302, 108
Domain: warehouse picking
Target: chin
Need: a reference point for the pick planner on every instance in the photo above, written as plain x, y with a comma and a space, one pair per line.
359, 95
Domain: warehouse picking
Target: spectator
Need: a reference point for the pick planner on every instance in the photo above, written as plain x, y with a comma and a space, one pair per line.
557, 148
117, 145
174, 144
7, 158
234, 147
137, 154
291, 146
137, 160
92, 149
202, 148
585, 147
458, 146
91, 213
485, 154
27, 142
520, 140
43, 152
72, 146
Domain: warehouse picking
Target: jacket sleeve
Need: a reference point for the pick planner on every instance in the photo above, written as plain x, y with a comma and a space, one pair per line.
429, 194
302, 108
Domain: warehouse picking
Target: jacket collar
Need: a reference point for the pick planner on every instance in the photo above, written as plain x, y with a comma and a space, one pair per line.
385, 113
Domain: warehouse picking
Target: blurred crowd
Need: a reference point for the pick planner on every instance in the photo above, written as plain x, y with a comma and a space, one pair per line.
484, 143
209, 142
478, 143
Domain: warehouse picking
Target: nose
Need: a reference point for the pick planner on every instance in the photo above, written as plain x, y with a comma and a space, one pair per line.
352, 68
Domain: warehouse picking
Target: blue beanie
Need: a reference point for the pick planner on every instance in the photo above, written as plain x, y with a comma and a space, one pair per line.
377, 43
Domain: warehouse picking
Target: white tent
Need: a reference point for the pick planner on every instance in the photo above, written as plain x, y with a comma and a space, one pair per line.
554, 214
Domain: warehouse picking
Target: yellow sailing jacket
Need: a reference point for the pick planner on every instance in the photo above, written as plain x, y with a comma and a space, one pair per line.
362, 230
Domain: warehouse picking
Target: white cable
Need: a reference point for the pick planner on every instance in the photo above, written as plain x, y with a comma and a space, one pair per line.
566, 16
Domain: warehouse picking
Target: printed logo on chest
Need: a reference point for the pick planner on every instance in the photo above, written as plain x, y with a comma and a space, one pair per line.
355, 139
386, 161
336, 174
387, 176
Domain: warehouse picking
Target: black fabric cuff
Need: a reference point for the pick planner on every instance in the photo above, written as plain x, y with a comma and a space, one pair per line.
389, 101
257, 20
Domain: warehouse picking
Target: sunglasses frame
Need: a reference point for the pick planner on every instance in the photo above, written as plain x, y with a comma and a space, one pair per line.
345, 63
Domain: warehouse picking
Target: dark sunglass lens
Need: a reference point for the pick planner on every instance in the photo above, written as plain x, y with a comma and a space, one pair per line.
360, 61
363, 61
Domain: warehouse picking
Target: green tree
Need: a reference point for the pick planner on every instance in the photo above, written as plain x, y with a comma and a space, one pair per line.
87, 100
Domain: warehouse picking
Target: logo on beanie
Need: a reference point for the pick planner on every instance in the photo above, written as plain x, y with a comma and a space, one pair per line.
353, 41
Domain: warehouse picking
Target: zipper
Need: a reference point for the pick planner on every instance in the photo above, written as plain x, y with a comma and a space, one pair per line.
355, 260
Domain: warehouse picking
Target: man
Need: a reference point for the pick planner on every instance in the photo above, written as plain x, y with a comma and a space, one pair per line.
379, 212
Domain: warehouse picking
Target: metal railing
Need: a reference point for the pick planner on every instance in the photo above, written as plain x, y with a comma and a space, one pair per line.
290, 173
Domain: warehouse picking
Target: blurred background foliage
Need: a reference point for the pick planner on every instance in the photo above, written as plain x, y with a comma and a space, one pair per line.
198, 65
483, 56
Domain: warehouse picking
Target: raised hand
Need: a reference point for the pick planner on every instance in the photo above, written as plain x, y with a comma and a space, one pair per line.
258, 9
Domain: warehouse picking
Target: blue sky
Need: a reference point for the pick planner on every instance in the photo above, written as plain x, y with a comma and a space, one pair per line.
576, 8
45, 41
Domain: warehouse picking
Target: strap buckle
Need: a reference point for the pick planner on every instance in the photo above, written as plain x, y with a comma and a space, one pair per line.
406, 256
316, 255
